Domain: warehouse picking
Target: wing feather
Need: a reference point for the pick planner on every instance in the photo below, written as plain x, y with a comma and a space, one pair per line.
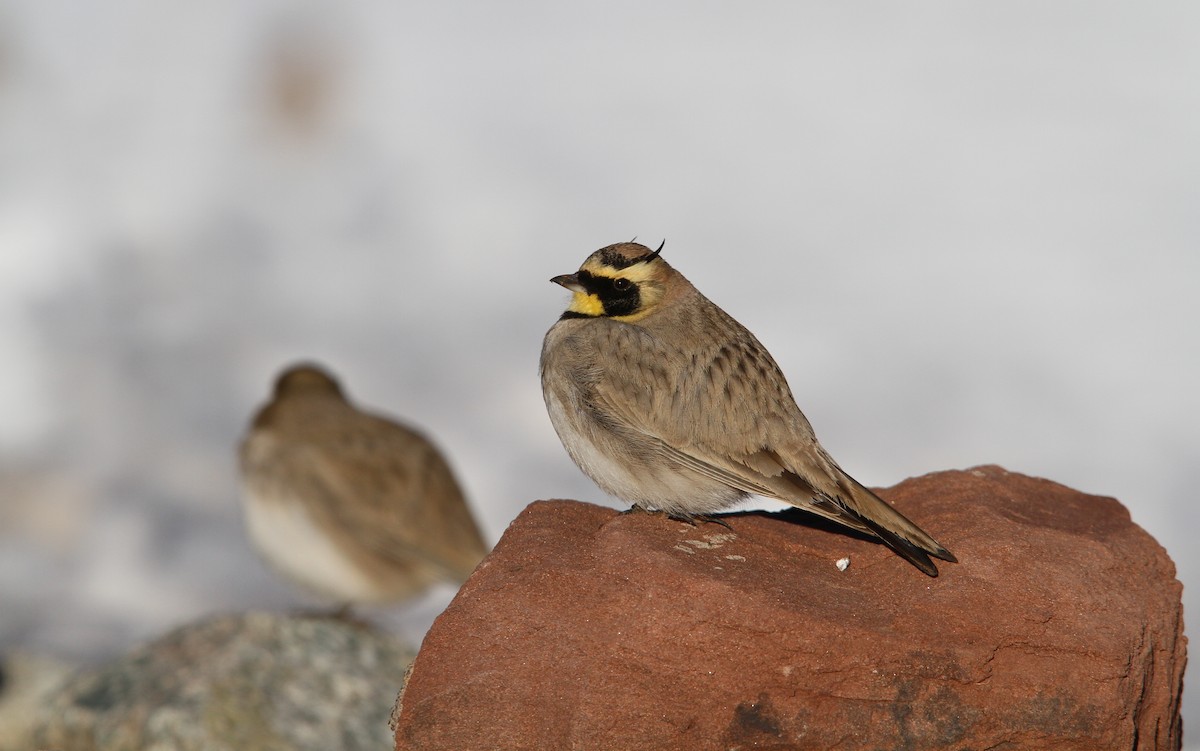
405, 505
722, 407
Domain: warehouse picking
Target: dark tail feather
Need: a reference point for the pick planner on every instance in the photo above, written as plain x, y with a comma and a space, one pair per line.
908, 551
839, 497
901, 534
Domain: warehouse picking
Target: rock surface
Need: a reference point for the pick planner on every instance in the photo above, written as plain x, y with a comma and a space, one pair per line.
26, 680
585, 629
247, 682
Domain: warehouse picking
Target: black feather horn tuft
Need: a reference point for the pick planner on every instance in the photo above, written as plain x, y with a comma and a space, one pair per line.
652, 256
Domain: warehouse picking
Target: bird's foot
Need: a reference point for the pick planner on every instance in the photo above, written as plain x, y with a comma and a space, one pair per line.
692, 519
343, 613
708, 519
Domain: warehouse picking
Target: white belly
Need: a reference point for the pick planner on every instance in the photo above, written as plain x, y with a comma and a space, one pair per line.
285, 534
661, 485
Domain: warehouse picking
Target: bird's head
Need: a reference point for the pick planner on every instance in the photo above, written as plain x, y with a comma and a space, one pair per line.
625, 282
306, 378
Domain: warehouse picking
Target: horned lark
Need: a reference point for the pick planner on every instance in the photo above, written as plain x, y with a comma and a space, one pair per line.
353, 506
668, 403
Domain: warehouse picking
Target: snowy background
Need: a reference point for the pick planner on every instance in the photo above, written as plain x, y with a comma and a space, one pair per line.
969, 232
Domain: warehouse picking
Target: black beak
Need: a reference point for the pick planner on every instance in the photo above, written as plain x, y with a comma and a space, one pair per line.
570, 281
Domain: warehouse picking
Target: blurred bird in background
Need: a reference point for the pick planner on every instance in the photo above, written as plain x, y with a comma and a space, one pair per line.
350, 505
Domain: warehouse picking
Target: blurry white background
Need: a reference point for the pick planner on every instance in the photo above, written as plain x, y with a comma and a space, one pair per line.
969, 232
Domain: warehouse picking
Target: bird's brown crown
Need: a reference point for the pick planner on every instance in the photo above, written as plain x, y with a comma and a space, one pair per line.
306, 378
625, 282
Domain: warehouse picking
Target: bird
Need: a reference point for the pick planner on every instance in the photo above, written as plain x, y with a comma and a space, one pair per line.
668, 403
350, 505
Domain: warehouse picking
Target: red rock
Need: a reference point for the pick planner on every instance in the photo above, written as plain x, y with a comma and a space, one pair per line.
585, 629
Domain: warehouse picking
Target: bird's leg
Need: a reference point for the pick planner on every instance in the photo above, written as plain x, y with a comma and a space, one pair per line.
343, 613
692, 519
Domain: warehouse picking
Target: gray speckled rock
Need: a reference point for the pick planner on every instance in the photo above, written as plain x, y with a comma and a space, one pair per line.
244, 682
26, 680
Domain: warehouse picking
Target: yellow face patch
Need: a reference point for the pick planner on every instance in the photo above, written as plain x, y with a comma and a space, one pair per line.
586, 304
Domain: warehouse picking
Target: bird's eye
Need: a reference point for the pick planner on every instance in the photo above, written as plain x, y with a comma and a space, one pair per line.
621, 284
